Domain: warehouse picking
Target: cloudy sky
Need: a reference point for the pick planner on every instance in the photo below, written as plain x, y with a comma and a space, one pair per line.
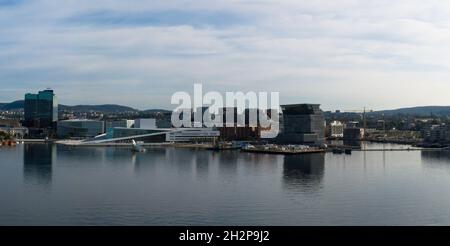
343, 54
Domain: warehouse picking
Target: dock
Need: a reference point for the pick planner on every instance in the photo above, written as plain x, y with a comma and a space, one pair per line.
282, 150
408, 149
35, 140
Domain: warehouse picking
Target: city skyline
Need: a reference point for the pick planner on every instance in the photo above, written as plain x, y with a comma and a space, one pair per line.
343, 55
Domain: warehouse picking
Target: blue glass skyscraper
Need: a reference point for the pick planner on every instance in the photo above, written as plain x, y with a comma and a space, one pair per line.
41, 110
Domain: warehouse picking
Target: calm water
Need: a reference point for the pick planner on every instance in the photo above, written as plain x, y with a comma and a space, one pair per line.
57, 185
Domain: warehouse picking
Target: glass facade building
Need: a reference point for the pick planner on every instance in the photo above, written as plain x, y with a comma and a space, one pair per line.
80, 128
302, 124
41, 110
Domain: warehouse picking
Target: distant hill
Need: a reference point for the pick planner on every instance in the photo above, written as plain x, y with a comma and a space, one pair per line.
12, 106
418, 111
152, 111
106, 108
114, 108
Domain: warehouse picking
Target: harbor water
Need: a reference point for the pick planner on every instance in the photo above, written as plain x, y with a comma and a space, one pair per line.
44, 184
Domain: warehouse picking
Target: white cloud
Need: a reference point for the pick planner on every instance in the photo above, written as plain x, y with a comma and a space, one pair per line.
343, 54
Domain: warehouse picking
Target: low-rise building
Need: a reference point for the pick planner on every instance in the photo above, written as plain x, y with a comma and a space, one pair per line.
353, 133
336, 129
13, 128
192, 135
437, 134
9, 123
16, 132
145, 123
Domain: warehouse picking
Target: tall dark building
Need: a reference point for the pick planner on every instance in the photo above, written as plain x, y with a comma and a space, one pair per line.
41, 110
302, 124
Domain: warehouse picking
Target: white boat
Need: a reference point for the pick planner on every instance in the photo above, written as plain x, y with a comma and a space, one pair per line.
137, 147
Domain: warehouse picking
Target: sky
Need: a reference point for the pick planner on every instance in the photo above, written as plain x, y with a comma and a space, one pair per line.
342, 54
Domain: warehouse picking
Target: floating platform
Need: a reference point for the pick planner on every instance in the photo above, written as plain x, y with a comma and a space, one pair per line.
218, 148
225, 146
282, 150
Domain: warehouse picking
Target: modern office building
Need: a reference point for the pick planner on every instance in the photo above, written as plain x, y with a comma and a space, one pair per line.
164, 121
41, 110
302, 124
145, 123
80, 128
150, 123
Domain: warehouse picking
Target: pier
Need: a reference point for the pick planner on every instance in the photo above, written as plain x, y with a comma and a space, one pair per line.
408, 149
282, 149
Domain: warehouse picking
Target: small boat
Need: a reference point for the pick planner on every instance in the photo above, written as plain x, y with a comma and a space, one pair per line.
337, 151
348, 151
135, 147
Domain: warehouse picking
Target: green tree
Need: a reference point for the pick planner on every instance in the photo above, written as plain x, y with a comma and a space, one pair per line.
4, 136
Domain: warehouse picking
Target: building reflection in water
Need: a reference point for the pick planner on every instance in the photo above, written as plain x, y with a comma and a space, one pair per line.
303, 172
436, 158
146, 162
352, 143
37, 163
80, 156
228, 161
202, 163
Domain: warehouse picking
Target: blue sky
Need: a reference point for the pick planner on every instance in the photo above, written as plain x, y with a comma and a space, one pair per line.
343, 54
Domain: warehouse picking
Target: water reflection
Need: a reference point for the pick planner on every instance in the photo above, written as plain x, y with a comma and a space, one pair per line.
304, 172
352, 143
117, 156
202, 163
146, 162
440, 159
80, 156
182, 159
228, 161
37, 163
